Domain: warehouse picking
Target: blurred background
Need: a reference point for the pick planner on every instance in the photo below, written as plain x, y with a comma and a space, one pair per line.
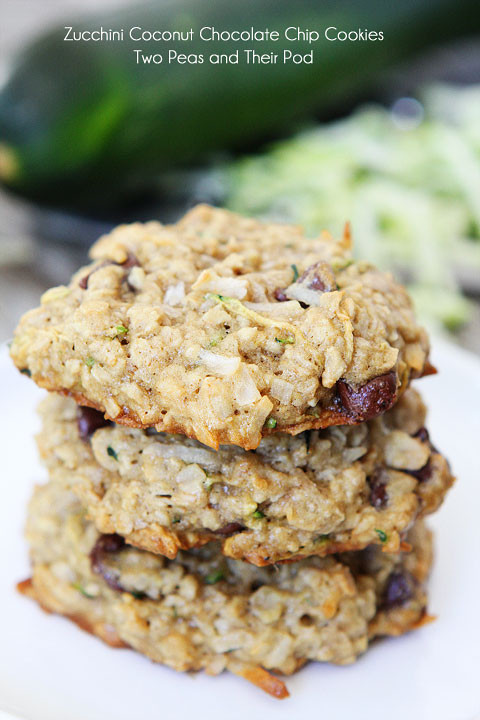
384, 135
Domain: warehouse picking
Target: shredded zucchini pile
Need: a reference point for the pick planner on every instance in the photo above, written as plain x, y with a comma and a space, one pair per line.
409, 184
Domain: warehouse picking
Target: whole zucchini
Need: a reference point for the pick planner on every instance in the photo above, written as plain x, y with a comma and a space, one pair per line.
82, 125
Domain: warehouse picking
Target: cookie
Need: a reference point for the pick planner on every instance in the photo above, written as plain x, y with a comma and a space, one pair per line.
204, 611
225, 329
317, 493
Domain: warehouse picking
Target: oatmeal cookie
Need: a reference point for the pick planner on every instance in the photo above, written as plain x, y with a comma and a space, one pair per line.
225, 329
205, 611
317, 493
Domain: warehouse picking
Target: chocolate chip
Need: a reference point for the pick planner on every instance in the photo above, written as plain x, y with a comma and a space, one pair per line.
378, 497
317, 284
371, 399
131, 261
89, 420
424, 473
83, 282
230, 529
279, 295
378, 490
399, 589
319, 276
109, 543
422, 435
105, 545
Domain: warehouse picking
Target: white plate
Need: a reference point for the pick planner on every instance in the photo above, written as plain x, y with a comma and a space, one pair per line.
50, 670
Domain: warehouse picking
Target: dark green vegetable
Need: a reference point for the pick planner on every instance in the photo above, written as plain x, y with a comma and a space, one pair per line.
214, 577
258, 515
112, 453
82, 125
382, 535
270, 423
82, 590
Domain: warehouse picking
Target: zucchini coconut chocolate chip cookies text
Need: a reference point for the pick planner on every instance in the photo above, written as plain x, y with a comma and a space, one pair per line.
226, 396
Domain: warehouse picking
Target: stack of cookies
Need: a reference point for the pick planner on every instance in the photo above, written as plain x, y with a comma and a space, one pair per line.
239, 468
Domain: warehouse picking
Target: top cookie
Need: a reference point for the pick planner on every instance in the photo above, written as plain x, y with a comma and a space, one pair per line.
225, 329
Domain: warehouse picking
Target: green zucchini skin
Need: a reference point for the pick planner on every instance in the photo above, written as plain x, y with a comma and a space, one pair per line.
83, 126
